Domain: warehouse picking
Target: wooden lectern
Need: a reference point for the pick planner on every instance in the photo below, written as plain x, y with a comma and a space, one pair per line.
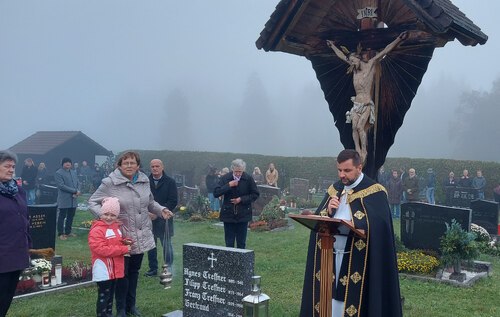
326, 227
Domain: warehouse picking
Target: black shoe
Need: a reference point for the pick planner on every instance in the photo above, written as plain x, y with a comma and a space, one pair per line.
121, 313
134, 312
151, 273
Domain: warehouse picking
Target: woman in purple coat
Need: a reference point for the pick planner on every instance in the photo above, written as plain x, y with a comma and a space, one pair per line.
14, 231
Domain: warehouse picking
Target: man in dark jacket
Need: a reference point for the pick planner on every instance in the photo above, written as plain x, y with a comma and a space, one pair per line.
239, 190
164, 192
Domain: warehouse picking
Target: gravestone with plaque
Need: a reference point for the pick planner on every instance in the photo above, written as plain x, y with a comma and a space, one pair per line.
266, 194
461, 196
187, 194
485, 214
299, 187
215, 280
43, 225
423, 225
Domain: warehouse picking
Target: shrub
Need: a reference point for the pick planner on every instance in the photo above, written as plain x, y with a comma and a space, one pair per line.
415, 261
458, 245
272, 211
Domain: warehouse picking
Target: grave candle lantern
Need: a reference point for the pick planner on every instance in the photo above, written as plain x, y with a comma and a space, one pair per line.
58, 272
257, 303
45, 279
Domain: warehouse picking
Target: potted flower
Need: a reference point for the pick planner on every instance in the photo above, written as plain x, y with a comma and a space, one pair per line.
458, 245
40, 267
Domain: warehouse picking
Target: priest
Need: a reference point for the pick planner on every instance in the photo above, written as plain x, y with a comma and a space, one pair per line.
365, 282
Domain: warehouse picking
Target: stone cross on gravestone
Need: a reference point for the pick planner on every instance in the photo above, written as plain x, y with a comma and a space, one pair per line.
410, 221
212, 259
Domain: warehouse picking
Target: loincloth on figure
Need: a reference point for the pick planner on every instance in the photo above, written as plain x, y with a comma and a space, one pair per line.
359, 108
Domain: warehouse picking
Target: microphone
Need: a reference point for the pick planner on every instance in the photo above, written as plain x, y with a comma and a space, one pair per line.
339, 194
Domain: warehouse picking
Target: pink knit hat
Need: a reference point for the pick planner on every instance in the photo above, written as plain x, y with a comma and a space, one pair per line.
111, 205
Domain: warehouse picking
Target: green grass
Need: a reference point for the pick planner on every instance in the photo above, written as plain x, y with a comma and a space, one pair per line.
279, 259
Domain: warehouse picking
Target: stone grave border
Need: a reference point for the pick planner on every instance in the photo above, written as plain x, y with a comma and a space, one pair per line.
56, 289
484, 268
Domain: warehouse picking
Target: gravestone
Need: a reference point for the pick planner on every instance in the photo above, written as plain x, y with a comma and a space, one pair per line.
324, 183
423, 225
485, 214
266, 195
215, 280
187, 194
299, 187
180, 180
43, 225
462, 196
48, 194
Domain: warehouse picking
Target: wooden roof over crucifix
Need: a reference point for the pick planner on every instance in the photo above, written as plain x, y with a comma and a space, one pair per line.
301, 27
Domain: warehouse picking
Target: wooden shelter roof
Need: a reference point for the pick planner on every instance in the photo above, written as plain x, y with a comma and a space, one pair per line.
305, 20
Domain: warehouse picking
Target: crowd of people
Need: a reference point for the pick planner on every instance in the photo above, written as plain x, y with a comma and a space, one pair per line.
406, 187
133, 211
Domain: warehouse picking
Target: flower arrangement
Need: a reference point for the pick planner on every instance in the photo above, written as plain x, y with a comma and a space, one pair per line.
213, 215
79, 270
259, 226
41, 265
86, 224
415, 261
482, 234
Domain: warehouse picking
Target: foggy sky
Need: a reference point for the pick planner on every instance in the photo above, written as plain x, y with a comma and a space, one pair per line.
112, 69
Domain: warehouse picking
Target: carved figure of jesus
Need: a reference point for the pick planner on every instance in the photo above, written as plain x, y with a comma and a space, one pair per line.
362, 113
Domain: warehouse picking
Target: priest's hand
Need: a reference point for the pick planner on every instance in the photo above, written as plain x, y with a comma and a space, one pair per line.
333, 204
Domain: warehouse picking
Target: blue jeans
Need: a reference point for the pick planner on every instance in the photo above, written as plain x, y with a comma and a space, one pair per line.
236, 231
396, 210
30, 196
480, 195
214, 202
429, 194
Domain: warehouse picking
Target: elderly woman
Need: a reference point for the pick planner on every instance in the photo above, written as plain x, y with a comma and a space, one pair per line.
257, 175
137, 208
14, 231
240, 191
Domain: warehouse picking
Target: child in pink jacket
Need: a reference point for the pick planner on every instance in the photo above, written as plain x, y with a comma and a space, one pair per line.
107, 250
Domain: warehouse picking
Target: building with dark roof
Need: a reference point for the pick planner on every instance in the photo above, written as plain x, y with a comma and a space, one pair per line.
51, 146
